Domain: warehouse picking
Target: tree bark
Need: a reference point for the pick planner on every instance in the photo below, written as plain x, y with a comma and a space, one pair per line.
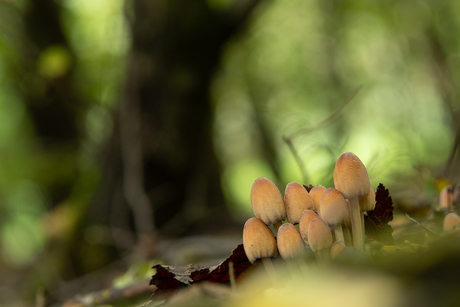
162, 152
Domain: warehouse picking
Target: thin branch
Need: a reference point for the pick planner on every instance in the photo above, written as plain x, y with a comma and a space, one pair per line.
297, 158
131, 149
288, 139
328, 120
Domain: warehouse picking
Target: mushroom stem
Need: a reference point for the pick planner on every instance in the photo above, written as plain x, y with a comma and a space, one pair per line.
303, 266
347, 236
319, 257
356, 227
326, 254
339, 233
293, 268
270, 269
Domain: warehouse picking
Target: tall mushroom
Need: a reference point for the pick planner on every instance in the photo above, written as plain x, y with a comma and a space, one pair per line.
351, 178
267, 202
335, 212
296, 201
320, 239
259, 243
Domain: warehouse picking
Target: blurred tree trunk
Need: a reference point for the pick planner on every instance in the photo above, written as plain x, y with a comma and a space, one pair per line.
165, 164
52, 103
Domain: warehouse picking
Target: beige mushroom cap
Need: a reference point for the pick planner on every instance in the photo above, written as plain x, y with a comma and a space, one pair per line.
315, 193
350, 176
296, 201
334, 208
450, 220
267, 202
336, 248
319, 235
367, 203
305, 220
290, 244
258, 240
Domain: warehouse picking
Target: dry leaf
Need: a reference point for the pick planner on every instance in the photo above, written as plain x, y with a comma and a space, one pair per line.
169, 278
376, 221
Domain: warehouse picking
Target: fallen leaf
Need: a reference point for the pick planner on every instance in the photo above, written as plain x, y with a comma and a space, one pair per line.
169, 278
376, 221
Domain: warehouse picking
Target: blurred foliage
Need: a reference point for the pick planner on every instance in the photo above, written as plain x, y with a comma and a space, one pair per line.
295, 64
300, 60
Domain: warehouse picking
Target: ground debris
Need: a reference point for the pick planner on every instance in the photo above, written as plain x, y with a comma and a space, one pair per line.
170, 278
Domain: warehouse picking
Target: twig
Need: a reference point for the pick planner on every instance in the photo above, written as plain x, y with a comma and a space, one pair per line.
131, 149
297, 158
231, 273
333, 116
325, 122
111, 295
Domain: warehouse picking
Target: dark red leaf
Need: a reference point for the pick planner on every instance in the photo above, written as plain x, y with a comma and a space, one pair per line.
376, 221
169, 279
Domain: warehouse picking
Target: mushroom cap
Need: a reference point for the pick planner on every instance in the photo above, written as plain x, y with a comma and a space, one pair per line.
315, 194
450, 220
336, 248
305, 220
296, 201
319, 235
334, 208
290, 244
350, 176
367, 203
267, 202
258, 240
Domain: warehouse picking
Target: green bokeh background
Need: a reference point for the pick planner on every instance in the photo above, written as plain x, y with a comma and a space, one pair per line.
295, 64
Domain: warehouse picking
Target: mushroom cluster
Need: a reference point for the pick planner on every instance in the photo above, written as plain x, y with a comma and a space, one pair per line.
327, 219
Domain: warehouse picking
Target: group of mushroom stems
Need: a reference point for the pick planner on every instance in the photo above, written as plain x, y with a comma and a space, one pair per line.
325, 220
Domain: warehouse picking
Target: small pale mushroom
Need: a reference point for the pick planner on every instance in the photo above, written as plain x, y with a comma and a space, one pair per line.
290, 244
296, 201
267, 202
304, 224
366, 203
291, 248
320, 239
351, 178
259, 243
335, 211
315, 193
336, 248
450, 221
